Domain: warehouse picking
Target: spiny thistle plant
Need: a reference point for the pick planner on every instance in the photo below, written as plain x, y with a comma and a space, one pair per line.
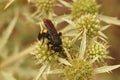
84, 45
81, 50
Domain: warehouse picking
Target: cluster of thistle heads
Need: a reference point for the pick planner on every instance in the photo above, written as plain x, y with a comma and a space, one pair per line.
84, 44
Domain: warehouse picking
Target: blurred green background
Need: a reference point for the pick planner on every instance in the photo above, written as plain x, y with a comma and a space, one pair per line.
25, 33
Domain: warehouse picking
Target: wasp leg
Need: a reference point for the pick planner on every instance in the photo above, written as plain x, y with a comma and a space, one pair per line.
53, 48
43, 41
39, 36
48, 45
43, 36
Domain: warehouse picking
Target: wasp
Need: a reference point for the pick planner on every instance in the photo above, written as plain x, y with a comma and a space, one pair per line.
51, 34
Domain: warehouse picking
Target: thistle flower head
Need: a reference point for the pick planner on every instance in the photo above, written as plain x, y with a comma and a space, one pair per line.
67, 42
82, 7
80, 70
90, 23
45, 6
71, 47
43, 55
96, 50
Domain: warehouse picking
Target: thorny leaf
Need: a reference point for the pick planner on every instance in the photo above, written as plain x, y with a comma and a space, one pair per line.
105, 69
105, 27
68, 54
102, 35
64, 61
9, 3
82, 45
109, 20
41, 71
77, 37
56, 71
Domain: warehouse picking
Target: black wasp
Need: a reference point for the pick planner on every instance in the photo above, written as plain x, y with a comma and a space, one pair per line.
51, 34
